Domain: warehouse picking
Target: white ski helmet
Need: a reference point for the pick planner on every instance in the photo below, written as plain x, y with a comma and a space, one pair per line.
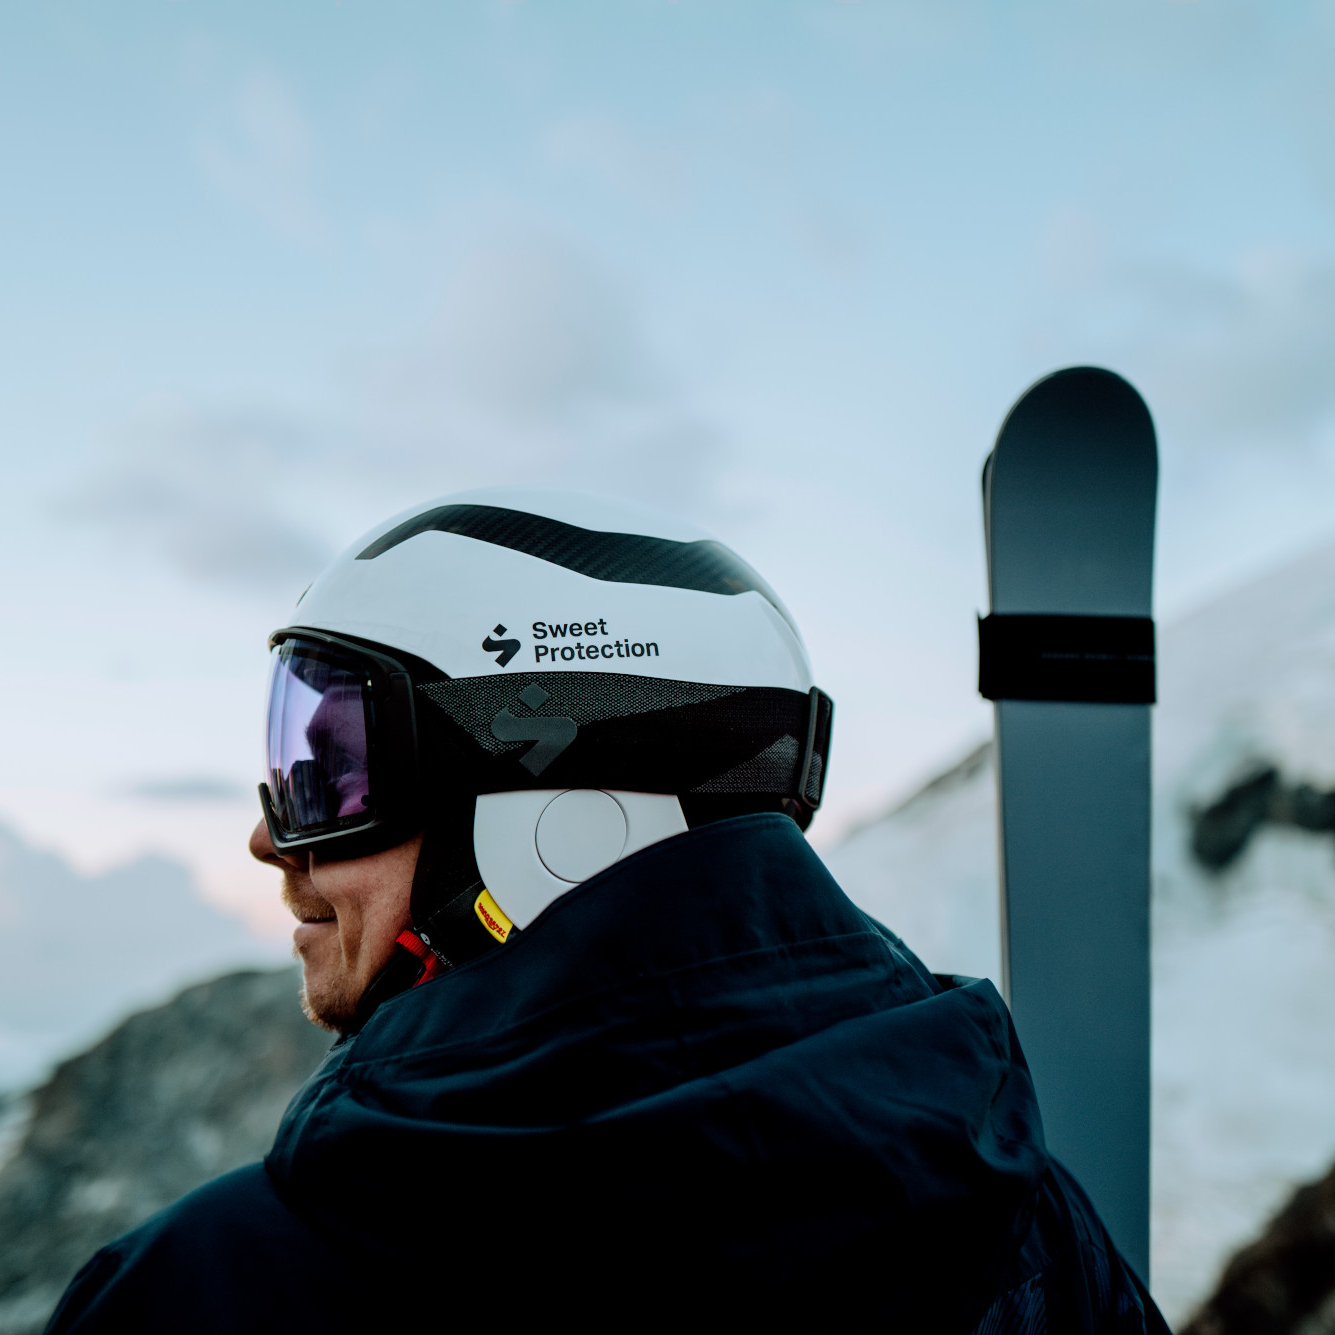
574, 677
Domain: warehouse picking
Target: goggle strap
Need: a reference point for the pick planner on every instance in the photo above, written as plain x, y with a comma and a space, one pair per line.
456, 931
592, 730
454, 936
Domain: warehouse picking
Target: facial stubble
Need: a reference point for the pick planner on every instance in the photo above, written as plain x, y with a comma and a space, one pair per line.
332, 1002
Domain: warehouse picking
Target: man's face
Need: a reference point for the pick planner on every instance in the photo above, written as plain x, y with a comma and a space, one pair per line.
349, 914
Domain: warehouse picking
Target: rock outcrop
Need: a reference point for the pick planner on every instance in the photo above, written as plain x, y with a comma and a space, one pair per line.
170, 1098
1284, 1282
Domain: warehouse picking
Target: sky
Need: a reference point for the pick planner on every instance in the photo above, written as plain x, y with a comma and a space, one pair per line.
269, 274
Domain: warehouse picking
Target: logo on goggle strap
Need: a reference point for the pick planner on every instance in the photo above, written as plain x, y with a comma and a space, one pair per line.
504, 650
492, 917
552, 734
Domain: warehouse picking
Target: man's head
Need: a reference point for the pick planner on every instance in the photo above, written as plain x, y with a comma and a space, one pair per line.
455, 681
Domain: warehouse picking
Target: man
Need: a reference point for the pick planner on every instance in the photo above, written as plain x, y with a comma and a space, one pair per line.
615, 1051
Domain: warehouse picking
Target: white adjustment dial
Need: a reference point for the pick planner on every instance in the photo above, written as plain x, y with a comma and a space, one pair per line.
579, 833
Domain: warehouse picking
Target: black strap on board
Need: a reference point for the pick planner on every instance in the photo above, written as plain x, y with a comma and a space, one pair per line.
1091, 659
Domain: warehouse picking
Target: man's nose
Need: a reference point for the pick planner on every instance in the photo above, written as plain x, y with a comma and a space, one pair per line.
261, 847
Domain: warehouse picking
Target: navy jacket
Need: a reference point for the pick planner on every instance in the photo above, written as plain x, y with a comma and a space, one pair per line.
703, 1087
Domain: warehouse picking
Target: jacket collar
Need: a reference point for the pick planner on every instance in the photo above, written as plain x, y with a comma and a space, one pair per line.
749, 886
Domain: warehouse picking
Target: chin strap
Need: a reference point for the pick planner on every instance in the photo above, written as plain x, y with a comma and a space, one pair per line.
432, 964
454, 918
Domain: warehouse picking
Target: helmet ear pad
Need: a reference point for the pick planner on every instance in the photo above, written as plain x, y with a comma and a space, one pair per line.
532, 846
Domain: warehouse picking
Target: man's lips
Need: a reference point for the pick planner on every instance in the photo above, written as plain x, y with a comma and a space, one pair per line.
308, 932
313, 912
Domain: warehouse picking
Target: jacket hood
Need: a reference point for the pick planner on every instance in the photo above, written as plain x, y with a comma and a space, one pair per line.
704, 1071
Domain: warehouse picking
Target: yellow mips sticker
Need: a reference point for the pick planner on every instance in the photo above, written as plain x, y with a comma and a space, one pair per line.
491, 916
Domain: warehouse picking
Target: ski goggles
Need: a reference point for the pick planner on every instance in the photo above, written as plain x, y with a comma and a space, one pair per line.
340, 746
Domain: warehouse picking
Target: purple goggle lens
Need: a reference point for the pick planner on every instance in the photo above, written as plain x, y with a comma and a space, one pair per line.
316, 739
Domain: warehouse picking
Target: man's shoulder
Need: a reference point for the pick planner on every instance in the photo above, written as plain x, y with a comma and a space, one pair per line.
1069, 1275
230, 1255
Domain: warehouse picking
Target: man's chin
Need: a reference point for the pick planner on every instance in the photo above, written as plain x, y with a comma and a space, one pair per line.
330, 1004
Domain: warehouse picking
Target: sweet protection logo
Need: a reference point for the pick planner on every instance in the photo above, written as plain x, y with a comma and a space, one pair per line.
504, 650
552, 733
585, 641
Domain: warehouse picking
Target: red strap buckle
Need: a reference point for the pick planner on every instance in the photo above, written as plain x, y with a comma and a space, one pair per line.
414, 945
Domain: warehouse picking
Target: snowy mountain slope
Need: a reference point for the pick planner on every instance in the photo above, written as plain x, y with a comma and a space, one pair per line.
1244, 991
928, 869
78, 952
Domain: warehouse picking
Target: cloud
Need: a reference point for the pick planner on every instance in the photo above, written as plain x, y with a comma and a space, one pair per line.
1244, 355
262, 159
874, 35
191, 788
536, 370
839, 246
1236, 355
203, 490
1074, 250
533, 329
1308, 88
602, 147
